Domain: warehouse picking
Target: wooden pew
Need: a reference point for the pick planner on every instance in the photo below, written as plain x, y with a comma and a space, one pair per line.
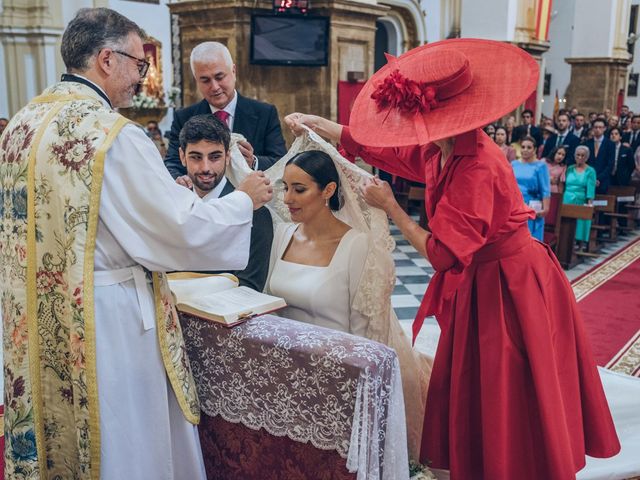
568, 216
625, 206
604, 223
552, 221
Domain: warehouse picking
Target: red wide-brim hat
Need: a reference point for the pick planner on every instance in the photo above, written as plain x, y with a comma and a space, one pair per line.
440, 90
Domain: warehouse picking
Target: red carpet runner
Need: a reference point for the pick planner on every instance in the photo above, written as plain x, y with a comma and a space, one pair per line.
610, 305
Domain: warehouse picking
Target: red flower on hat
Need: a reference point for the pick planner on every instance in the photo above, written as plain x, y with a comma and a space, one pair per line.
409, 96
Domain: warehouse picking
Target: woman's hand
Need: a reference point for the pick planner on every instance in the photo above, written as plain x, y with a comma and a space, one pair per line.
546, 205
377, 193
323, 127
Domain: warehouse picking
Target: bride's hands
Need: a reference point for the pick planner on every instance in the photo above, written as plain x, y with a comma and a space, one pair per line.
377, 193
323, 127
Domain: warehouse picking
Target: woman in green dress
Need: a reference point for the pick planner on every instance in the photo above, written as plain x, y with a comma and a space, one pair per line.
580, 189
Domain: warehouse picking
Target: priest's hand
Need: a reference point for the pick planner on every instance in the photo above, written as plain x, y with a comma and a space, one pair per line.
258, 187
247, 152
323, 127
185, 181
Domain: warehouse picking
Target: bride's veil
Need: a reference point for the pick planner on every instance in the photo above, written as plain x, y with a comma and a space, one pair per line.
373, 297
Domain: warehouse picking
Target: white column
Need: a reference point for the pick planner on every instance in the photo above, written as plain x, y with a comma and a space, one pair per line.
599, 29
30, 63
489, 19
4, 90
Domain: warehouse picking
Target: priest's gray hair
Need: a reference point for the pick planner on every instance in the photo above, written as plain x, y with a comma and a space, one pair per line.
210, 52
91, 30
585, 149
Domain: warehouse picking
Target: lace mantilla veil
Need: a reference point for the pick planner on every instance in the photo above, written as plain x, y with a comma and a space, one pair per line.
373, 297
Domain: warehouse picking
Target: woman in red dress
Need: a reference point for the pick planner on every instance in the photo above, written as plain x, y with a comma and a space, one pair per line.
514, 392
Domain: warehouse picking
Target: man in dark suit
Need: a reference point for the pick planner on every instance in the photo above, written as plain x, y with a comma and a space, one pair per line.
527, 128
624, 114
579, 128
204, 153
602, 152
562, 137
632, 139
623, 163
215, 75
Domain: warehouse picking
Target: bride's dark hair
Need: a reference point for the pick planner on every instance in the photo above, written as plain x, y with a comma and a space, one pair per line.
319, 166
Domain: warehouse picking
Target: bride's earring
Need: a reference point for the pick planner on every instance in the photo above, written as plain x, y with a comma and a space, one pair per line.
326, 202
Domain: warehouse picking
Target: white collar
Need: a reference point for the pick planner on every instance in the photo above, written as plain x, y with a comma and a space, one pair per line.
215, 193
230, 108
95, 85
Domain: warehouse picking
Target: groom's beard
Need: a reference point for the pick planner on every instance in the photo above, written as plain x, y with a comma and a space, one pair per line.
207, 186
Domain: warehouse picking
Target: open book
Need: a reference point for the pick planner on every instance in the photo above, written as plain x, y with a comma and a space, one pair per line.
219, 298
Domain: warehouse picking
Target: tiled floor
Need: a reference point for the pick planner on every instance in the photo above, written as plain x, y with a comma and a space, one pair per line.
413, 273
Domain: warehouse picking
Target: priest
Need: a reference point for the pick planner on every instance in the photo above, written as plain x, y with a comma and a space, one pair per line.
98, 381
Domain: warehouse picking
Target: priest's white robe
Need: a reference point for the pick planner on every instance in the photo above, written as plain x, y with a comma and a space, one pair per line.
147, 220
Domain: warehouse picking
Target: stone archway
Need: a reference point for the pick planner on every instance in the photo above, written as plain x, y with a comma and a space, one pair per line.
401, 29
408, 17
389, 39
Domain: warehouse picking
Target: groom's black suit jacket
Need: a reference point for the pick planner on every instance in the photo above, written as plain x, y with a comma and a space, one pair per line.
256, 121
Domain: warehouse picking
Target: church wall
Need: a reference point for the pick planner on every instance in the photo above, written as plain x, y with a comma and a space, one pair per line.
28, 32
29, 62
432, 11
498, 19
561, 41
634, 68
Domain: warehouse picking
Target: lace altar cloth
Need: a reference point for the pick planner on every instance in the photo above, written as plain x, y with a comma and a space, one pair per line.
314, 385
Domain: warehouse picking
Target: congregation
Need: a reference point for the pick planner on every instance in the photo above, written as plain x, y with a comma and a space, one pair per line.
571, 156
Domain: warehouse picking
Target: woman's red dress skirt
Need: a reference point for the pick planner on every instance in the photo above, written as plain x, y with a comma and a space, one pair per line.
515, 393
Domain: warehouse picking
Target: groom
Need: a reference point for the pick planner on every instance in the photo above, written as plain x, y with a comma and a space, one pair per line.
204, 152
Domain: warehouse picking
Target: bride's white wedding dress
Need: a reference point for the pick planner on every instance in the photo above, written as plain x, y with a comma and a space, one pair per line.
353, 293
320, 295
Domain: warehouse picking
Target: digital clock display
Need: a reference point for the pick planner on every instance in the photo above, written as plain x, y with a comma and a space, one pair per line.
291, 6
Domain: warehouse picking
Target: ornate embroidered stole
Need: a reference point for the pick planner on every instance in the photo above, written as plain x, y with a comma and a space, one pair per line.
51, 165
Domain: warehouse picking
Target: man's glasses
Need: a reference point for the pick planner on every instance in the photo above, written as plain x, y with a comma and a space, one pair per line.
142, 64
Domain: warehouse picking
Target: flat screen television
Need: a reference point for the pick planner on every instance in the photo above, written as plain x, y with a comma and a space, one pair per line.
289, 40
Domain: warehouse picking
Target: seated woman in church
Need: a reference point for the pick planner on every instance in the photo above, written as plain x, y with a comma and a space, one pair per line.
331, 260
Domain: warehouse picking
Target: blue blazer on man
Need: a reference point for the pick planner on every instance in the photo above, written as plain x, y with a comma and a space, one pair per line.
603, 162
257, 121
570, 142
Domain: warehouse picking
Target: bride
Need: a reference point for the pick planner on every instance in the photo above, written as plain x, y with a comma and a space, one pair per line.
331, 258
317, 260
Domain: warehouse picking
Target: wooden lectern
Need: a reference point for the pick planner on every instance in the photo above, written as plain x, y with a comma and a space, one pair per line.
568, 216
